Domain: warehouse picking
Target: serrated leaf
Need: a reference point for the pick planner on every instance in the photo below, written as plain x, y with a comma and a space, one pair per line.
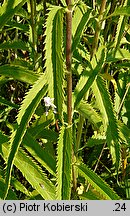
121, 54
119, 32
96, 140
23, 27
57, 61
9, 9
99, 184
80, 84
124, 132
14, 45
40, 154
8, 103
123, 11
37, 152
89, 196
88, 112
11, 194
113, 139
64, 164
77, 16
53, 56
99, 104
80, 29
63, 2
19, 186
32, 172
19, 73
3, 138
28, 107
92, 77
40, 132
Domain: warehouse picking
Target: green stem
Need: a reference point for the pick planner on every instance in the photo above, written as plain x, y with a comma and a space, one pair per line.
108, 26
123, 99
96, 166
34, 32
16, 37
79, 132
68, 60
98, 28
43, 33
94, 4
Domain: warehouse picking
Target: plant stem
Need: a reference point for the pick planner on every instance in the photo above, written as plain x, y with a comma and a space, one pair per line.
108, 25
43, 34
94, 4
98, 27
127, 88
97, 164
16, 37
124, 148
33, 27
68, 60
79, 132
69, 79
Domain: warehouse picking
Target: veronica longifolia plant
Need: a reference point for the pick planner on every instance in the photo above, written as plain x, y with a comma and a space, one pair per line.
86, 58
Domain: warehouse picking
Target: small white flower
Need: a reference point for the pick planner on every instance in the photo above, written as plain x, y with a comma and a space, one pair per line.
49, 104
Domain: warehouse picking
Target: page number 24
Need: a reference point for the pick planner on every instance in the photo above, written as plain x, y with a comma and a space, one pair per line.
120, 207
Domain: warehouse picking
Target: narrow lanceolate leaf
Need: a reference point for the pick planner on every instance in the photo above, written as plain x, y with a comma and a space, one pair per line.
20, 187
20, 26
96, 140
100, 104
80, 84
40, 154
88, 112
92, 77
14, 45
64, 161
90, 195
32, 172
124, 11
28, 107
120, 30
53, 56
3, 138
11, 194
63, 2
121, 54
101, 186
80, 29
8, 9
79, 11
113, 140
57, 60
19, 73
8, 103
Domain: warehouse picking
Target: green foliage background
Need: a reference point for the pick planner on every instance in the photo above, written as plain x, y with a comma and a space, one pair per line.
45, 156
